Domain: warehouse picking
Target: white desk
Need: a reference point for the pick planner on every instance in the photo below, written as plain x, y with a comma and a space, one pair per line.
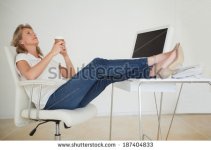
153, 85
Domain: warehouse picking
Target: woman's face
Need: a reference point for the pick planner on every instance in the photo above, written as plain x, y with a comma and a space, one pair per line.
29, 37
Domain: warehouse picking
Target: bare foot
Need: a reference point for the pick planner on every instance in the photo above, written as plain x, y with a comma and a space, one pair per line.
171, 57
164, 60
169, 60
164, 64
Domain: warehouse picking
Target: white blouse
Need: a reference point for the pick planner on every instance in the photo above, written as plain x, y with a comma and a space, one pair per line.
50, 72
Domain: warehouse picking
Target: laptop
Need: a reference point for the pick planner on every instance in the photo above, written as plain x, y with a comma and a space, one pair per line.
153, 41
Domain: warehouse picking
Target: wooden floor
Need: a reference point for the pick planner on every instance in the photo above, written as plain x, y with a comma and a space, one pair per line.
185, 127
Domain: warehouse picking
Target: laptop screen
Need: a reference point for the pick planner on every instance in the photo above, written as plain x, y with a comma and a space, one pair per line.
150, 43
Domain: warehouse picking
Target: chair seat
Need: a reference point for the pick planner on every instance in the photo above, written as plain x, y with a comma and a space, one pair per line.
69, 117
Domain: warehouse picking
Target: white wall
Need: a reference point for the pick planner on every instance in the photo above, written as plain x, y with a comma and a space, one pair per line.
106, 28
193, 30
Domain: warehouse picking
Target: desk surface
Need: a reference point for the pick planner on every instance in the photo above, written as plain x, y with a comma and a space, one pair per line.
167, 85
172, 80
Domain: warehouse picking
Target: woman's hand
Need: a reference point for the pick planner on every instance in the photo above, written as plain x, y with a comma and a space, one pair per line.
63, 52
57, 48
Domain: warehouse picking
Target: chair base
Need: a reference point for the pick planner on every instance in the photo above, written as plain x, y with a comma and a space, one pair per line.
57, 135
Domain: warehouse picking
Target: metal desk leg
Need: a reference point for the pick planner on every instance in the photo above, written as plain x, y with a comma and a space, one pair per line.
141, 132
156, 107
159, 117
111, 112
175, 108
140, 114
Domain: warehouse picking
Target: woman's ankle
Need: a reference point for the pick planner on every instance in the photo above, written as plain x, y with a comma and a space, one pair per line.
150, 61
169, 59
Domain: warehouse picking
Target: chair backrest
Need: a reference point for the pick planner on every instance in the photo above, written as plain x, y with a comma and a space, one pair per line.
21, 98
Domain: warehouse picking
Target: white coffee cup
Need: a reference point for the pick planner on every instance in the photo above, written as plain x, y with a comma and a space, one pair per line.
58, 38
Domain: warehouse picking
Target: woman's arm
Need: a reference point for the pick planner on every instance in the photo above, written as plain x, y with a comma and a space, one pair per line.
69, 71
32, 73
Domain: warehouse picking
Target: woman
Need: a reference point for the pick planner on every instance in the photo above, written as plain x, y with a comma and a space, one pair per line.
89, 82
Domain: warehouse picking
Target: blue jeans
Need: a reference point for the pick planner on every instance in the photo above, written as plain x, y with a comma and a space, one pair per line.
90, 81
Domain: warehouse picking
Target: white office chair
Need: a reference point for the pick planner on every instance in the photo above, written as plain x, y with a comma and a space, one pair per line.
25, 112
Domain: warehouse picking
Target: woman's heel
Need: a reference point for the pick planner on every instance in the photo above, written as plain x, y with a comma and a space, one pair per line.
164, 73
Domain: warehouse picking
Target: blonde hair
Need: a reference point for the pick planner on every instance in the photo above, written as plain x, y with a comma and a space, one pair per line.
17, 36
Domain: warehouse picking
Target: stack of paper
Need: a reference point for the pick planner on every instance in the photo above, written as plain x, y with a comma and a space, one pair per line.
190, 71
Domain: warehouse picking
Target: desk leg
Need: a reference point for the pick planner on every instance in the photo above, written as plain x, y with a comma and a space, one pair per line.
111, 112
156, 107
159, 117
175, 108
141, 134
